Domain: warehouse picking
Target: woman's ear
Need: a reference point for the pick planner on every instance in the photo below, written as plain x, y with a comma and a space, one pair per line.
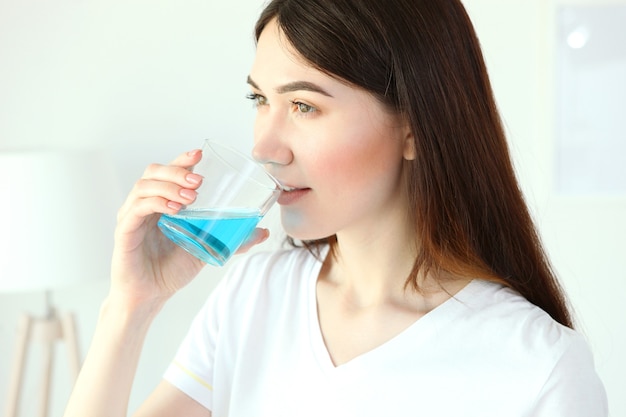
409, 145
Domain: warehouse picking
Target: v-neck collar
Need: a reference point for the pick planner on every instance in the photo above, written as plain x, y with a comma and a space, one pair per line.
418, 332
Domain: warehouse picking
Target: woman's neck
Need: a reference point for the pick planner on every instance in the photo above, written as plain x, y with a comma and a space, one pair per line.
370, 269
374, 270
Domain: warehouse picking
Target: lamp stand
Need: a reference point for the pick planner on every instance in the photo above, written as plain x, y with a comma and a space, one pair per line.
46, 330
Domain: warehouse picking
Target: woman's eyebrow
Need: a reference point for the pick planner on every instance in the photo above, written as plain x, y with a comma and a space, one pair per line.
295, 86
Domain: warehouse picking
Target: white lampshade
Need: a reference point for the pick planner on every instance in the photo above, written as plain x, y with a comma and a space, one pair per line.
57, 217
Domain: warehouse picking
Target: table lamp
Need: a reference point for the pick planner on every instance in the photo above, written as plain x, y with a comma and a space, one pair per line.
58, 214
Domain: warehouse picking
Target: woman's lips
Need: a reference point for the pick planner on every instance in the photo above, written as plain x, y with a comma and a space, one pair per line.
291, 195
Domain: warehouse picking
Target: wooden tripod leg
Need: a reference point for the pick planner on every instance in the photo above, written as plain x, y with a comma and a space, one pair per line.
47, 356
17, 374
68, 325
47, 330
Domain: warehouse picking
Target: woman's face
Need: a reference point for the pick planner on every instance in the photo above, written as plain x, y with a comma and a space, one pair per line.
334, 147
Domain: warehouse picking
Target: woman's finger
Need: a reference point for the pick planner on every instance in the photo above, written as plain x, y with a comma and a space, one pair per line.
187, 159
150, 196
168, 187
258, 235
172, 173
150, 188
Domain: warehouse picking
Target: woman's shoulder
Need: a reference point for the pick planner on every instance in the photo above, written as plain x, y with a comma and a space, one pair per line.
505, 317
520, 351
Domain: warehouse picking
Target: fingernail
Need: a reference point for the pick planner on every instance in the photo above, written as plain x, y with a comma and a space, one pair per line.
174, 205
188, 194
193, 179
262, 234
193, 152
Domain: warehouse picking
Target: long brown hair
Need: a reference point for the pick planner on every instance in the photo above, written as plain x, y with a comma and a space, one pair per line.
422, 59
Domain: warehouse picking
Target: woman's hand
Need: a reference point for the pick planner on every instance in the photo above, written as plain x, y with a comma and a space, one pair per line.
147, 266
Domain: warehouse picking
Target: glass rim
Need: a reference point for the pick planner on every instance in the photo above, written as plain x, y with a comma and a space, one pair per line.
212, 143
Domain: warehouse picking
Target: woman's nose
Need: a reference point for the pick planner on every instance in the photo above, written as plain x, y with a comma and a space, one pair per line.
270, 146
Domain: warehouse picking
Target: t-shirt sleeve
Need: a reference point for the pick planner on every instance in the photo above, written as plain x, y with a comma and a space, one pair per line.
573, 388
191, 371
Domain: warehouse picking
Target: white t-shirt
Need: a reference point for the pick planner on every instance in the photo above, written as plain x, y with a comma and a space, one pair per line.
255, 349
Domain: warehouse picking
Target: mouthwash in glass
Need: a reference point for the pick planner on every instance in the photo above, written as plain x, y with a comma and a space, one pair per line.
210, 235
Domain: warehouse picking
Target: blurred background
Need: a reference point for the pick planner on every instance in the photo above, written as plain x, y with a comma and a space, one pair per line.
143, 81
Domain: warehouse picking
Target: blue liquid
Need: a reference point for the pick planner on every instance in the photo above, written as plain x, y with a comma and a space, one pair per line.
210, 235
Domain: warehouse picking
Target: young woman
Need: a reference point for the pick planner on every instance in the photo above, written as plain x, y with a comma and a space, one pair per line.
421, 287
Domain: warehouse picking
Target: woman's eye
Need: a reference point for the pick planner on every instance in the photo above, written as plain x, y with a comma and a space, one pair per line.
257, 99
303, 108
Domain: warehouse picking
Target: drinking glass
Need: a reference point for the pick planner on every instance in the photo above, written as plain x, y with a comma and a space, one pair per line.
236, 192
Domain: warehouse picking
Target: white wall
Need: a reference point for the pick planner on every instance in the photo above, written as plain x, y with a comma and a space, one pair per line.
147, 80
